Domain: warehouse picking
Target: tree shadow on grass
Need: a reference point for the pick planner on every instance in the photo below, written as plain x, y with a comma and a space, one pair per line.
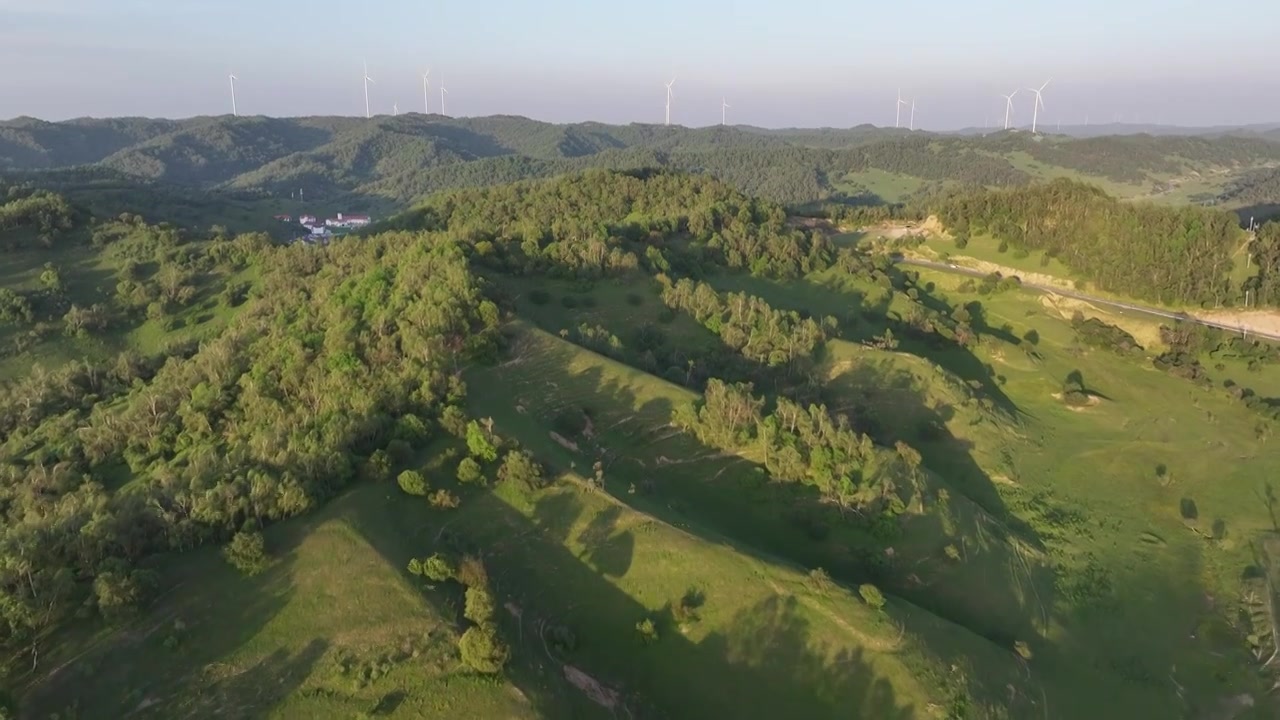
768, 662
158, 665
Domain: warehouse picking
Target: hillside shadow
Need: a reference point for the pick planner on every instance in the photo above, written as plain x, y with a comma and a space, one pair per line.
728, 500
884, 402
156, 665
763, 664
467, 140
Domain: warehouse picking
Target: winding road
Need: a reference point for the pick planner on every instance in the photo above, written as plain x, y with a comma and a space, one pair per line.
1144, 309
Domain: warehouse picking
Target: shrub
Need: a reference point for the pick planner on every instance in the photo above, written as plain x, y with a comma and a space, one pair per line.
412, 482
436, 568
871, 595
587, 302
820, 581
648, 631
569, 302
483, 651
684, 610
479, 444
469, 472
444, 500
962, 241
471, 572
635, 299
561, 638
539, 297
1023, 650
247, 552
479, 606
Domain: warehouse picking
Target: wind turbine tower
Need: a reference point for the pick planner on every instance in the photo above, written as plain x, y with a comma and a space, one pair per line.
426, 82
912, 126
1038, 105
233, 96
673, 82
367, 80
723, 106
443, 92
1008, 107
897, 116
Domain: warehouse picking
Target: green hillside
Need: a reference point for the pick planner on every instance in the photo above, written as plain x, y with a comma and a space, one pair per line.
571, 447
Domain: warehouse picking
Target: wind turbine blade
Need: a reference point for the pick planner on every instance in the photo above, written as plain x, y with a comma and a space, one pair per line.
1046, 83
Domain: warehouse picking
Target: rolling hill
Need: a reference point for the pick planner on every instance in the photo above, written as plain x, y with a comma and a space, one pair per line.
387, 162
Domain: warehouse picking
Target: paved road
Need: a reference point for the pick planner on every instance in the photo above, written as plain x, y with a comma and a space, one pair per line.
1144, 309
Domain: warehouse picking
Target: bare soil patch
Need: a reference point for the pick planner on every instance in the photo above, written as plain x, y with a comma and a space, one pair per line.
563, 441
599, 693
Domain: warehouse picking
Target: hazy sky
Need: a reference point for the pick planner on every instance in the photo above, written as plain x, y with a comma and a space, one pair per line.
798, 62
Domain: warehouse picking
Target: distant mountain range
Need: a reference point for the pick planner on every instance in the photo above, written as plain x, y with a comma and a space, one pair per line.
387, 161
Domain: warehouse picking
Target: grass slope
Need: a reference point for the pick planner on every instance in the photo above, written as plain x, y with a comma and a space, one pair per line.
333, 628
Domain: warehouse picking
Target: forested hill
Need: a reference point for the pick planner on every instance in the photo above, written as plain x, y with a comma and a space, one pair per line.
1164, 254
390, 161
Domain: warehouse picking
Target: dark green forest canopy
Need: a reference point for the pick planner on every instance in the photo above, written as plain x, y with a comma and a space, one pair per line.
388, 161
1159, 253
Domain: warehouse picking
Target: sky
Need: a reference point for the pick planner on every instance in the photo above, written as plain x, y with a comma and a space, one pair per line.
805, 63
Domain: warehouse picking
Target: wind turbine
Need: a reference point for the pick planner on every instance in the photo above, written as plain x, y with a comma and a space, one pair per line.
442, 93
367, 80
426, 82
897, 117
912, 127
233, 96
723, 106
1038, 105
673, 82
395, 109
1008, 107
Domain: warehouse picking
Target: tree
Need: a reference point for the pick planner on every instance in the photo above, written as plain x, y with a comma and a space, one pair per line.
247, 552
519, 466
412, 482
479, 606
119, 588
377, 468
469, 471
482, 650
479, 444
454, 421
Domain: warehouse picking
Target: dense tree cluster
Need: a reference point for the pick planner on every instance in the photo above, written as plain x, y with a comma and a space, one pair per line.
934, 158
749, 325
603, 222
334, 373
805, 445
1165, 254
43, 214
1264, 288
